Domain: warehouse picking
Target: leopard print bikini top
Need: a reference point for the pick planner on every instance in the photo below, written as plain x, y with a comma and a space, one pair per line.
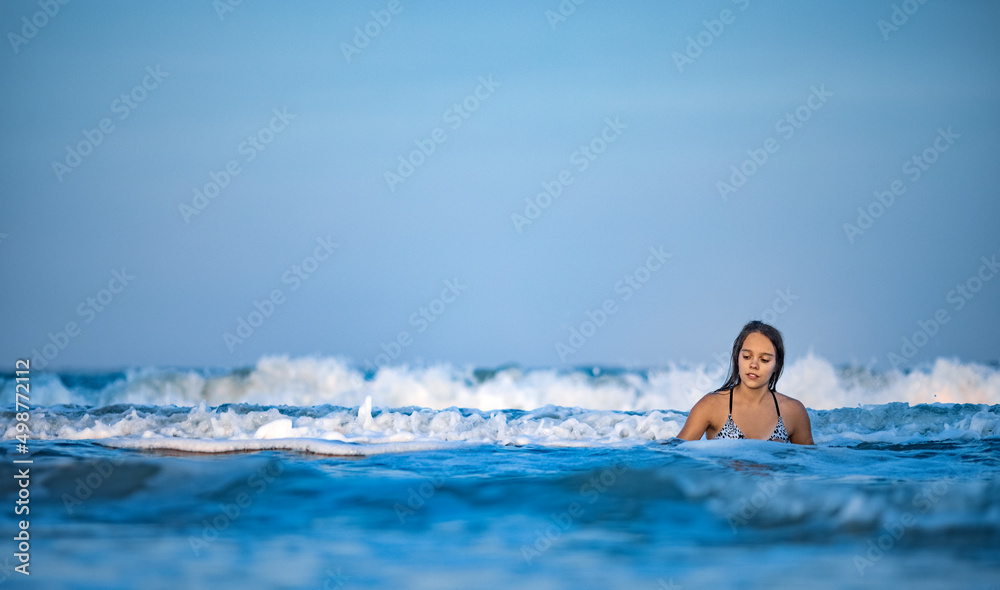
731, 430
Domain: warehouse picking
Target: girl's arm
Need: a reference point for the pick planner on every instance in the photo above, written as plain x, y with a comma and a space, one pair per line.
801, 432
698, 420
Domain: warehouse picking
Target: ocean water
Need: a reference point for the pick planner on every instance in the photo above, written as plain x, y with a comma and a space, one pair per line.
308, 473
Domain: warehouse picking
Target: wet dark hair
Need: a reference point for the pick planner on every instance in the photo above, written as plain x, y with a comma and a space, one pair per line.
772, 334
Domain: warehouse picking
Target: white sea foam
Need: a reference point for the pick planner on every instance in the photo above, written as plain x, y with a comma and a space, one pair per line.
243, 427
325, 404
314, 381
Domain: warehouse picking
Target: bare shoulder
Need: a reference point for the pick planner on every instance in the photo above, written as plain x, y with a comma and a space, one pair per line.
703, 415
711, 405
791, 406
796, 418
710, 400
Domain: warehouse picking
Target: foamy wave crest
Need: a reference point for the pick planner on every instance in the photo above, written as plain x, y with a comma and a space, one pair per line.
366, 430
316, 381
243, 427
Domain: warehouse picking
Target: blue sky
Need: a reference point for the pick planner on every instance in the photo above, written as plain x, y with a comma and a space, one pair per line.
438, 266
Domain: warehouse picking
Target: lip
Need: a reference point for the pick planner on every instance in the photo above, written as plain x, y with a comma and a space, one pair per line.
753, 376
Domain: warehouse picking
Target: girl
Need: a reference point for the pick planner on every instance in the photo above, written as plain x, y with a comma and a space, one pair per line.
750, 394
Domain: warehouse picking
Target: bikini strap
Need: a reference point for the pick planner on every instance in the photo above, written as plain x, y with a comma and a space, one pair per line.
731, 401
775, 398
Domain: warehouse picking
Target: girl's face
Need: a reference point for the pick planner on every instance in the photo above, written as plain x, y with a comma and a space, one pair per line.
756, 360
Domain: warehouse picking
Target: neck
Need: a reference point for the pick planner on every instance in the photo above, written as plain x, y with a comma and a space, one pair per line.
752, 394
